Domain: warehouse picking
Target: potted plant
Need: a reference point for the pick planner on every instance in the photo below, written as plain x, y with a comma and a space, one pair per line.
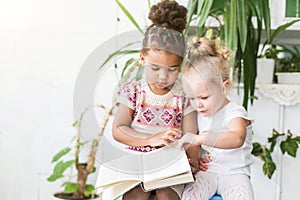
78, 189
288, 68
240, 24
238, 30
268, 59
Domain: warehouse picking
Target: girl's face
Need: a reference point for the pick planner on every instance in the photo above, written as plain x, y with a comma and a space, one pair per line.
161, 70
206, 97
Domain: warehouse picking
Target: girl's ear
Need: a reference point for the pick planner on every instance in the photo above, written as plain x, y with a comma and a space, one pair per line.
142, 58
226, 86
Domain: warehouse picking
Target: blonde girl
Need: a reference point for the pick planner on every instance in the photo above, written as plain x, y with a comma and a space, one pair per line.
224, 128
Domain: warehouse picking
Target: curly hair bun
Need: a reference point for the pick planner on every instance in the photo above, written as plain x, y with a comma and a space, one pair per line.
168, 14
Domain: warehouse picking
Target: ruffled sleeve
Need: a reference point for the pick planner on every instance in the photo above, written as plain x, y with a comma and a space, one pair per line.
127, 94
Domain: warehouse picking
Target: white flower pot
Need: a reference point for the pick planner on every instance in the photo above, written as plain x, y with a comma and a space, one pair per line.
288, 77
265, 70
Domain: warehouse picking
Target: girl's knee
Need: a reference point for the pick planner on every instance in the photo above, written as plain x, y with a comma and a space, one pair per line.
166, 194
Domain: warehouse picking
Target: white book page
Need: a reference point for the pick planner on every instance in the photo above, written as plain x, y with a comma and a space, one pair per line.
124, 168
165, 162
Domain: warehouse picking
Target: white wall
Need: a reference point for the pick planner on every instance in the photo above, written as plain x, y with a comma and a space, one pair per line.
43, 45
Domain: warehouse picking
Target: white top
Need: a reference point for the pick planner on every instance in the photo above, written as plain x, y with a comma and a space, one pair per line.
227, 161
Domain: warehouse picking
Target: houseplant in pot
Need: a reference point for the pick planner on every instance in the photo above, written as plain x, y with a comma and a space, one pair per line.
64, 170
269, 59
288, 68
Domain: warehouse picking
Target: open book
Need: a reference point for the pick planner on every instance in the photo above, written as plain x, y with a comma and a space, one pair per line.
157, 169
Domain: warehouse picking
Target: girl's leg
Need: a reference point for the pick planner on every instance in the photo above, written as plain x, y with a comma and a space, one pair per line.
137, 194
235, 187
203, 188
166, 194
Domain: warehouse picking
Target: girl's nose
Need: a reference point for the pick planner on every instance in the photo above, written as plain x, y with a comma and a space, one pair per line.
163, 75
200, 104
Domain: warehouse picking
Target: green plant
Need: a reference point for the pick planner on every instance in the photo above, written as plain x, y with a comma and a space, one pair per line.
238, 32
287, 142
290, 62
65, 169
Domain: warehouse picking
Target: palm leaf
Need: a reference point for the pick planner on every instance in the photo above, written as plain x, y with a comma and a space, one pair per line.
120, 52
204, 12
278, 30
242, 22
265, 14
130, 17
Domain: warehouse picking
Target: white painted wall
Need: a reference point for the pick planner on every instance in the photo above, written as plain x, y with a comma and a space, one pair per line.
43, 45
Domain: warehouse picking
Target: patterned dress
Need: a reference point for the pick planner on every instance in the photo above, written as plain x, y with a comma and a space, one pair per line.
154, 113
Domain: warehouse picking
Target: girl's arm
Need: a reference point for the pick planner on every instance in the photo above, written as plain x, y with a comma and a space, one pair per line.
123, 132
189, 124
233, 138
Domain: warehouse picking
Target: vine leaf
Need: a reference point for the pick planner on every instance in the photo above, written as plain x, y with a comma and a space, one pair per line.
290, 145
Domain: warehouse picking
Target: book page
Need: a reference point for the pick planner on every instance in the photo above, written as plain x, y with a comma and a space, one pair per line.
116, 190
167, 162
121, 169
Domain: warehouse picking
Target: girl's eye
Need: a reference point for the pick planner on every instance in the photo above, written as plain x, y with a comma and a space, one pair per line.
172, 70
155, 68
204, 98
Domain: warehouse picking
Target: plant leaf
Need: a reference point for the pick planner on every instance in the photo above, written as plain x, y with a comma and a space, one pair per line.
60, 154
59, 169
265, 14
257, 149
269, 166
278, 30
191, 7
89, 190
203, 13
242, 22
130, 17
290, 146
120, 52
70, 187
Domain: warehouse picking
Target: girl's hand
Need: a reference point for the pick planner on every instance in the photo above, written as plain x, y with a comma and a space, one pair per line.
194, 166
203, 164
164, 138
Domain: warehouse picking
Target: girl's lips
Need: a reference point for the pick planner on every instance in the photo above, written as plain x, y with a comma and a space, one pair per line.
162, 84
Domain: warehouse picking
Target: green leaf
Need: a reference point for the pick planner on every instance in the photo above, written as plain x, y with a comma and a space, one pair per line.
82, 143
257, 149
133, 61
203, 13
119, 52
89, 190
297, 138
191, 7
278, 30
127, 71
242, 22
290, 146
70, 187
130, 17
139, 73
231, 38
265, 13
61, 154
75, 123
269, 168
54, 177
59, 169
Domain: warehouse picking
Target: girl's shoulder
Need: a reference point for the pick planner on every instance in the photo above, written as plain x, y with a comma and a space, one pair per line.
233, 110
